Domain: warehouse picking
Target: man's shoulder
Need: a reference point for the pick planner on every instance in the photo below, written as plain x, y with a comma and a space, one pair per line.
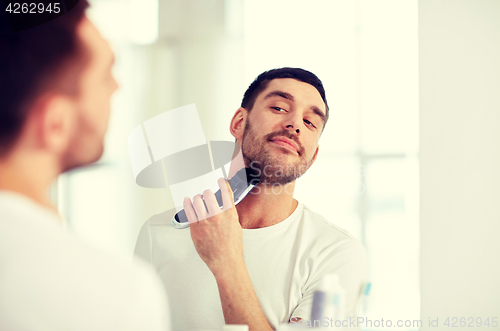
324, 226
70, 274
326, 237
330, 241
34, 235
159, 235
163, 219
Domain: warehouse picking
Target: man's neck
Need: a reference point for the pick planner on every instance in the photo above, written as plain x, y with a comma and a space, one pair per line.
266, 205
28, 175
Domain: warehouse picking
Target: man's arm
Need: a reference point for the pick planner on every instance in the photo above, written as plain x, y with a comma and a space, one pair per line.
218, 239
239, 301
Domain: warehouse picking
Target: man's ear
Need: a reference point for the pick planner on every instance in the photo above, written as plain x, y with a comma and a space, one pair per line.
237, 125
56, 122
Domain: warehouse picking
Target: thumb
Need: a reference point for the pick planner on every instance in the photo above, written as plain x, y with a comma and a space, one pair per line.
227, 193
231, 194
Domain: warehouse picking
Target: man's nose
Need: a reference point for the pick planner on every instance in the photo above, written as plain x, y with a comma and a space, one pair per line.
292, 123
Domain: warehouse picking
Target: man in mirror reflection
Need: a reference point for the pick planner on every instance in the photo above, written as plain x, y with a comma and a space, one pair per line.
259, 262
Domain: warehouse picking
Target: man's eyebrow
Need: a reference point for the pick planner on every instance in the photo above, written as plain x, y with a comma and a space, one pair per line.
318, 112
281, 94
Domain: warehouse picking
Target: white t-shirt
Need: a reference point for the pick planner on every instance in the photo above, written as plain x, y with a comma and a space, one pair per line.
50, 280
285, 261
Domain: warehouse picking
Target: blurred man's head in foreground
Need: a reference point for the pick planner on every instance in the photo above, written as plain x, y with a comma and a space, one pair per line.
55, 89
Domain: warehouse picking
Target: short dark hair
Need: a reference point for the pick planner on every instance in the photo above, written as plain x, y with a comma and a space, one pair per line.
34, 61
260, 84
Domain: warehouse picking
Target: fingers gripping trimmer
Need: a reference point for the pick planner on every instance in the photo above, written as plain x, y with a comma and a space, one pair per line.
241, 184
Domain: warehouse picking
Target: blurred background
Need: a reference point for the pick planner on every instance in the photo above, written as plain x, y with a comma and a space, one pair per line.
171, 53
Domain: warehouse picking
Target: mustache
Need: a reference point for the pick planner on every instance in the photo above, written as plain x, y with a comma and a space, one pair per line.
286, 134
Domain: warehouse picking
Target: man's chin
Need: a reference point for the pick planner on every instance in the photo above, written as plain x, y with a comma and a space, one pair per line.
276, 181
278, 173
71, 162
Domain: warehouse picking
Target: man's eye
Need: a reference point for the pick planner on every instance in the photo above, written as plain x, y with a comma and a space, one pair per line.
309, 123
278, 109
